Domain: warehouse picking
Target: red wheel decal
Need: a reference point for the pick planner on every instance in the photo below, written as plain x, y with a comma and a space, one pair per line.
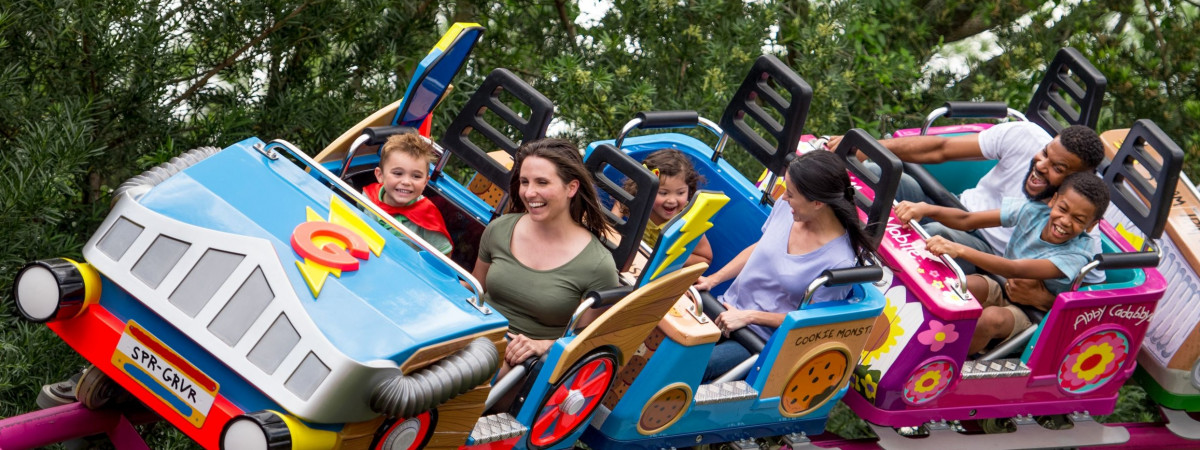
594, 387
591, 382
424, 424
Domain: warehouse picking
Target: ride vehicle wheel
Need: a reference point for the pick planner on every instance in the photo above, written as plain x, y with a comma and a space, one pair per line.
95, 389
1055, 422
997, 425
571, 400
407, 434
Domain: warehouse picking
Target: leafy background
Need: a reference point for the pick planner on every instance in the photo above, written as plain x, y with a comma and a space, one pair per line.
93, 92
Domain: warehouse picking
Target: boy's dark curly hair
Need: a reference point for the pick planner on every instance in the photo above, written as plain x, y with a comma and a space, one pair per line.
1091, 187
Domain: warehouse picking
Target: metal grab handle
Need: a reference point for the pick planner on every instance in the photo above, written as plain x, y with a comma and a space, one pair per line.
338, 184
378, 136
961, 289
669, 119
986, 109
838, 277
584, 305
358, 142
1106, 261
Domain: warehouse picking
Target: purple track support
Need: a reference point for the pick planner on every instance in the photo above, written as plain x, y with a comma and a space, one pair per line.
73, 421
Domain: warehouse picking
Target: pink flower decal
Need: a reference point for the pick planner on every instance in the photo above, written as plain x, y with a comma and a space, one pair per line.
928, 382
1093, 361
938, 335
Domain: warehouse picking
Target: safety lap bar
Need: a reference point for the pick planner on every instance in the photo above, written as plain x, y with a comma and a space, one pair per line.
971, 110
338, 184
608, 297
373, 136
838, 277
1106, 261
595, 300
647, 120
714, 308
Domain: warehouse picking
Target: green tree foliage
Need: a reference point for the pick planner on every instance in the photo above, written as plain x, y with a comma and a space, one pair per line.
92, 92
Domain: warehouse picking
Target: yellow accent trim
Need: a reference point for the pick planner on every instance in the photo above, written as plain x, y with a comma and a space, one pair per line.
454, 32
91, 284
314, 275
696, 222
305, 438
340, 213
1130, 237
312, 216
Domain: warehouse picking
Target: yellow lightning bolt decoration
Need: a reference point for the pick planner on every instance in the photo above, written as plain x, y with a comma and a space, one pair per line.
695, 223
315, 273
341, 214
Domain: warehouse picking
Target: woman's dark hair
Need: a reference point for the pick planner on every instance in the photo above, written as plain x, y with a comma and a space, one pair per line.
585, 205
668, 162
821, 176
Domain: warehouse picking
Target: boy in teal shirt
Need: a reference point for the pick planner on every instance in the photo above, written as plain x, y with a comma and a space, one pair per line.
1049, 243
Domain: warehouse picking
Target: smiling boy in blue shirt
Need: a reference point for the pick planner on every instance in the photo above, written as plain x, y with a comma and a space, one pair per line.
1049, 243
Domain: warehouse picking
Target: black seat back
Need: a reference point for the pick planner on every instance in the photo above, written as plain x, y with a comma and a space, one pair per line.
1085, 96
639, 205
757, 91
459, 138
885, 184
1140, 184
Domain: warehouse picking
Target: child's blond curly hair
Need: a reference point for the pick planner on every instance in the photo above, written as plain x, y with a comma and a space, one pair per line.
409, 144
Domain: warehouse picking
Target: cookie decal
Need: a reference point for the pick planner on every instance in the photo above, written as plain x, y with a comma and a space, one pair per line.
664, 408
814, 382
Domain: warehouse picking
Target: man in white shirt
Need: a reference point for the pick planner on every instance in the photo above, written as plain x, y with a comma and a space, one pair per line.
1030, 164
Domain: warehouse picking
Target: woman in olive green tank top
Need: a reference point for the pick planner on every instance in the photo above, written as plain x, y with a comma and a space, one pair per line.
536, 262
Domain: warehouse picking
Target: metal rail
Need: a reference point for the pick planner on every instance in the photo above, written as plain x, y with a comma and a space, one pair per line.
340, 185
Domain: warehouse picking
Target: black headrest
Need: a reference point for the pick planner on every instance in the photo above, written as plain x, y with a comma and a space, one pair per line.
639, 205
1152, 178
758, 90
885, 184
1067, 66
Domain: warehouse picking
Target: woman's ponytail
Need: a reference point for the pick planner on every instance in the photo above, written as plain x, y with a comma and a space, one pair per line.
822, 177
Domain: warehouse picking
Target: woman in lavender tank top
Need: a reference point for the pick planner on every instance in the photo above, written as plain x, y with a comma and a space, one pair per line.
815, 227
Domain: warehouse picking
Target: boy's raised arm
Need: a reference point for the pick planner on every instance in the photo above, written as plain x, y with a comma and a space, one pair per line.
1037, 269
952, 217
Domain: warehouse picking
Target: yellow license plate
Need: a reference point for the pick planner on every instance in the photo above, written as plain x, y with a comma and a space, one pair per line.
164, 373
